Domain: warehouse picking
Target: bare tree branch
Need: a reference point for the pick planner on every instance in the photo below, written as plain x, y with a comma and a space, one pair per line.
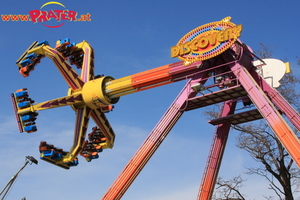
229, 188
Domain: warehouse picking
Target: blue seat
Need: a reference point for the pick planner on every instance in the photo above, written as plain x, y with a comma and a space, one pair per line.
57, 156
31, 56
24, 104
65, 40
27, 117
21, 94
45, 42
30, 128
26, 62
49, 153
71, 45
74, 163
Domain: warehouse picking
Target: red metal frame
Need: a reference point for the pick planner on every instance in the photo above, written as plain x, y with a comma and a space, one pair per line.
249, 83
239, 80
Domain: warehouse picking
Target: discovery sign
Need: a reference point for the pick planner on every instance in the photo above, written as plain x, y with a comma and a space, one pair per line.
206, 41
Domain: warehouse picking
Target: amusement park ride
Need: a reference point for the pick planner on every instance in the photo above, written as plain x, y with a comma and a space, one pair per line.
220, 69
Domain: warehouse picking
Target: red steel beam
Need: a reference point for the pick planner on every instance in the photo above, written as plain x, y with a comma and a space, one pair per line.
216, 153
277, 99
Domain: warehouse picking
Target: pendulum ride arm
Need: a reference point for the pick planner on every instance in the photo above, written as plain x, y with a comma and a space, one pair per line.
216, 153
281, 129
152, 142
151, 78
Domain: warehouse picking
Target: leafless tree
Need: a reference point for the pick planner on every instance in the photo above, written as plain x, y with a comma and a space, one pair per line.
229, 189
259, 141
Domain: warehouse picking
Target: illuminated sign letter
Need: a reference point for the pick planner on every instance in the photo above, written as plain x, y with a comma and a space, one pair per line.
203, 42
174, 51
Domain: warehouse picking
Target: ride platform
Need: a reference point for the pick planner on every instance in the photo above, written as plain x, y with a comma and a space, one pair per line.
215, 97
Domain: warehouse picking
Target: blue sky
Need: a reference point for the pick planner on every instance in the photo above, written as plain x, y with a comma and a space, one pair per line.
129, 37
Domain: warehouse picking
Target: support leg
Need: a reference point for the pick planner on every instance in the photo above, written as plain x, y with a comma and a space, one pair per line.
216, 153
280, 128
